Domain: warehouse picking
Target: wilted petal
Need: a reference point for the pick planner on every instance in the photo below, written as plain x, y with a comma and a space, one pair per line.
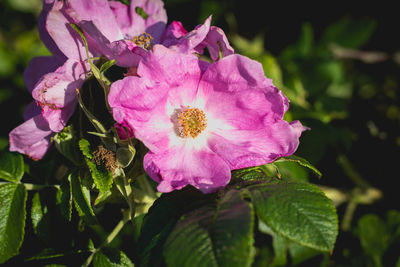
56, 93
32, 138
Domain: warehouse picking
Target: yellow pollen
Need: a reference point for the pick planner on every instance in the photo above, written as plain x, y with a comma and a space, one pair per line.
192, 122
145, 40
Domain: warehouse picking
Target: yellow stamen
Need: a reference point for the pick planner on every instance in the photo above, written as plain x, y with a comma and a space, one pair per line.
192, 122
145, 40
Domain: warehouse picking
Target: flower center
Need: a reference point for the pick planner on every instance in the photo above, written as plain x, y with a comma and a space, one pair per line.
145, 40
192, 122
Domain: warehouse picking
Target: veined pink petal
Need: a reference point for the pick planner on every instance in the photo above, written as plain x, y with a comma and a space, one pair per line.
242, 148
168, 66
38, 67
234, 72
32, 138
178, 167
56, 93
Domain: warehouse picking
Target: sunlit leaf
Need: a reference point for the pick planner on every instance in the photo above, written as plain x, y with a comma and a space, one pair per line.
12, 219
11, 166
108, 257
81, 197
298, 211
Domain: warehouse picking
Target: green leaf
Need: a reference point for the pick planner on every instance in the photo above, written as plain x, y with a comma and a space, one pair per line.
263, 172
101, 177
84, 146
12, 219
64, 200
292, 170
101, 197
348, 32
279, 243
11, 166
81, 197
125, 156
302, 162
272, 69
166, 209
374, 237
40, 221
108, 257
213, 236
298, 211
107, 65
299, 253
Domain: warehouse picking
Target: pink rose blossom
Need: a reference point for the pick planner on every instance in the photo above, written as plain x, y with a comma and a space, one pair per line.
200, 120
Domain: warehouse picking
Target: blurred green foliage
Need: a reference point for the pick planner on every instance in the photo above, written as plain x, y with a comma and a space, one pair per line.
346, 94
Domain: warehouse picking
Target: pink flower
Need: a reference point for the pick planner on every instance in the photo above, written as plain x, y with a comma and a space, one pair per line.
133, 35
52, 80
114, 28
200, 120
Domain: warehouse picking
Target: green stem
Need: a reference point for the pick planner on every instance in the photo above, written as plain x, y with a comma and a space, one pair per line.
110, 237
352, 173
34, 186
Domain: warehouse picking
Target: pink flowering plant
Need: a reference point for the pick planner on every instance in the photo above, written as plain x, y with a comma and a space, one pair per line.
168, 130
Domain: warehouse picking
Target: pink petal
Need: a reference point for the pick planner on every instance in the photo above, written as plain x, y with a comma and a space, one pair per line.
234, 72
32, 138
155, 22
176, 168
141, 107
64, 36
56, 93
38, 67
170, 67
242, 148
101, 14
122, 15
215, 41
236, 91
44, 34
125, 52
188, 43
32, 110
